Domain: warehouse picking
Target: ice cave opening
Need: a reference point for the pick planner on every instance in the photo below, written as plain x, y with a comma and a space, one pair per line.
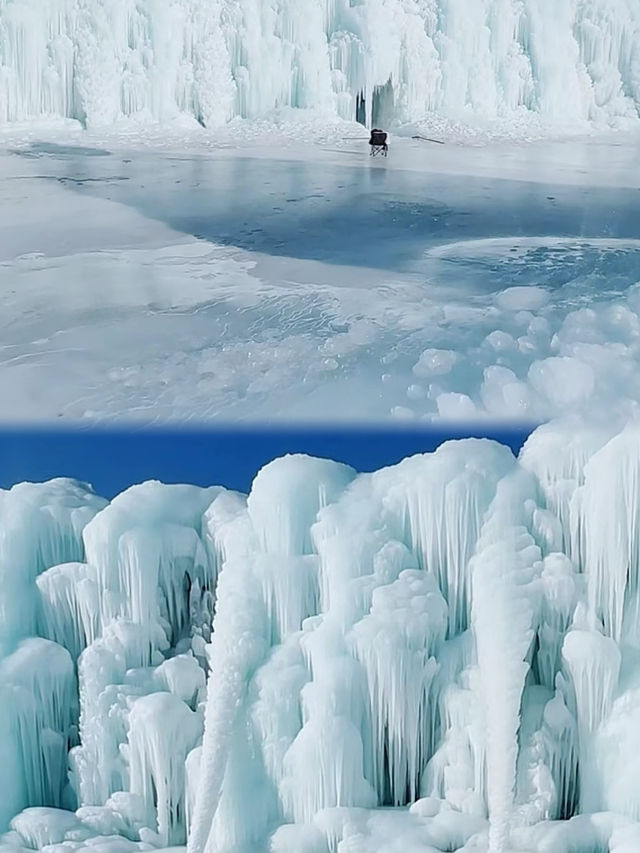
443, 655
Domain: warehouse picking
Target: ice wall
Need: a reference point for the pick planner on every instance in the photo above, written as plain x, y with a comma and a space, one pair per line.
377, 60
40, 525
124, 595
456, 634
378, 683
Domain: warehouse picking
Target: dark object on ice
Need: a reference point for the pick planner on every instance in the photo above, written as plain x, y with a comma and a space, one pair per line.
428, 139
378, 143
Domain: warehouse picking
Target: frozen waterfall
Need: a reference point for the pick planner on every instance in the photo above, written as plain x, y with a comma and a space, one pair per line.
374, 60
440, 655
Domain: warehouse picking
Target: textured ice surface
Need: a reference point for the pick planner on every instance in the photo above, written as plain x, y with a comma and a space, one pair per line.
438, 656
212, 60
302, 282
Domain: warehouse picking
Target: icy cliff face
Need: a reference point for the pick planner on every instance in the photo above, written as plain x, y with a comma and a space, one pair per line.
457, 634
375, 60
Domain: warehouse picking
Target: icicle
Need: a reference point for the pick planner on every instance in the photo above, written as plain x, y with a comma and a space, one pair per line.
333, 747
290, 590
593, 663
396, 644
286, 497
440, 511
162, 732
559, 599
98, 766
276, 714
70, 606
561, 744
41, 526
606, 511
38, 687
557, 454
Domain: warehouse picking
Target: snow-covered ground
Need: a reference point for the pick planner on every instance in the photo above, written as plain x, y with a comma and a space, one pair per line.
438, 656
274, 271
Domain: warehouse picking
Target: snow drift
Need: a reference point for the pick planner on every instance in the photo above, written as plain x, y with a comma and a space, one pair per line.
441, 655
374, 60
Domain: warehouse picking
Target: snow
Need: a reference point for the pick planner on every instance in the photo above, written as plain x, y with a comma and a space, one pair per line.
440, 655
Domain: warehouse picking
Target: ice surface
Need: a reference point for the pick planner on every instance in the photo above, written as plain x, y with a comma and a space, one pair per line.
212, 60
440, 655
261, 279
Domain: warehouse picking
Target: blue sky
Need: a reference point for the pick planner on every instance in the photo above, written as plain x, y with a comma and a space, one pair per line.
111, 460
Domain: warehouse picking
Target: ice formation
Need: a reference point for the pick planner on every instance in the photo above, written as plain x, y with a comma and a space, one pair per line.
375, 60
438, 656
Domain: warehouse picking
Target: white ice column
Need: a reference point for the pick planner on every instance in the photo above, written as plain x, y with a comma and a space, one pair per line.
593, 664
162, 732
39, 709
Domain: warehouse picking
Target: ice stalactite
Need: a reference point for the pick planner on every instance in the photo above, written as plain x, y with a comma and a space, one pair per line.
136, 616
39, 710
616, 743
561, 744
145, 551
55, 514
276, 713
69, 606
40, 525
148, 559
536, 796
157, 568
456, 772
98, 765
333, 709
397, 644
290, 590
286, 497
593, 664
192, 772
336, 783
182, 676
557, 454
162, 733
606, 511
561, 588
441, 512
212, 60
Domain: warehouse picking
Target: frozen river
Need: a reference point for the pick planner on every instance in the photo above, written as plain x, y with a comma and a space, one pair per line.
289, 282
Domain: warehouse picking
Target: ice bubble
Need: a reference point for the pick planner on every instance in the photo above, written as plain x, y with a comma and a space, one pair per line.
522, 299
435, 362
563, 380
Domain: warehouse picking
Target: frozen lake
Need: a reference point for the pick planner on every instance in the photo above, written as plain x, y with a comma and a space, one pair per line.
311, 283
